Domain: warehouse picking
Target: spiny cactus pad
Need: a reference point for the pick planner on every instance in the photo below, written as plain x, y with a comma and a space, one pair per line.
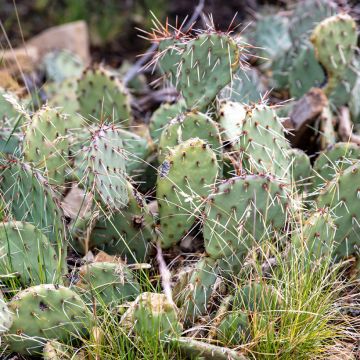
105, 165
46, 145
31, 199
263, 144
334, 159
307, 14
316, 238
300, 169
45, 312
102, 97
62, 64
187, 126
305, 72
241, 213
207, 65
184, 180
26, 251
113, 283
246, 87
342, 196
194, 299
334, 40
162, 116
169, 56
127, 233
154, 316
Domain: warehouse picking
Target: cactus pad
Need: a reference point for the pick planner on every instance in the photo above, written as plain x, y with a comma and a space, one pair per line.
241, 213
342, 196
46, 145
153, 315
102, 97
263, 144
126, 233
194, 299
207, 65
335, 158
26, 251
114, 283
184, 180
45, 312
187, 126
334, 40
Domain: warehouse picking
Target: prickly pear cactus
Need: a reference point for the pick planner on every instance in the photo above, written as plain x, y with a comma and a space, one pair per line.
206, 66
62, 64
103, 98
162, 116
339, 34
307, 14
300, 168
342, 197
241, 213
272, 36
46, 144
26, 251
154, 316
45, 312
263, 144
234, 328
187, 126
127, 233
109, 283
5, 316
336, 158
169, 56
137, 149
316, 238
104, 167
63, 97
245, 87
305, 71
30, 198
184, 180
194, 298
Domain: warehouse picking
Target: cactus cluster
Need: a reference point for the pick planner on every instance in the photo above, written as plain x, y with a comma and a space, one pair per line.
219, 168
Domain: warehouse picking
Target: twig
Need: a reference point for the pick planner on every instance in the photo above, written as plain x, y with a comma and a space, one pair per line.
164, 274
346, 128
139, 64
